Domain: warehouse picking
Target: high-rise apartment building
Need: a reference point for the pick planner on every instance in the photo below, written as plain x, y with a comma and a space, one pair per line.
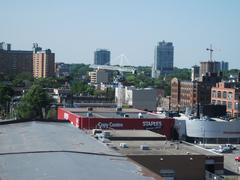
224, 66
13, 62
43, 62
102, 57
163, 58
209, 67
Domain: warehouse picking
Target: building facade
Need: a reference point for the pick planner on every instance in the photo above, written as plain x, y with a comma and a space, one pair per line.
144, 99
15, 61
99, 76
195, 72
224, 66
163, 58
229, 95
209, 67
190, 94
184, 94
62, 69
43, 62
102, 57
109, 118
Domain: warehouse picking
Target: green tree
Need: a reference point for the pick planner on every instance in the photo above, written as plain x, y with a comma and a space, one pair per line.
6, 93
33, 103
77, 71
80, 87
21, 79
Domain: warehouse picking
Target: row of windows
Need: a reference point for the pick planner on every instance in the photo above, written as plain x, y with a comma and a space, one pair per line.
224, 95
228, 104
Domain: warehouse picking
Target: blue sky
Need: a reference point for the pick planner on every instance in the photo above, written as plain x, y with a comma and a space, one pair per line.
73, 29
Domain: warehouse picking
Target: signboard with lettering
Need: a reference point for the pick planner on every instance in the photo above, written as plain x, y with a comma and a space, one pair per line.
152, 124
106, 125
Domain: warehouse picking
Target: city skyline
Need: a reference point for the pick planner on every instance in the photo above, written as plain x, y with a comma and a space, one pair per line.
73, 30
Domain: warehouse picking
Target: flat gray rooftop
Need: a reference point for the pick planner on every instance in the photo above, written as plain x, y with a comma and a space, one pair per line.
160, 148
111, 112
134, 133
49, 150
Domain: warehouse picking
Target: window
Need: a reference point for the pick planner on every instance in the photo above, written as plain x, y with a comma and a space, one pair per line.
224, 94
230, 96
213, 93
236, 96
218, 102
213, 101
236, 106
224, 103
229, 105
219, 94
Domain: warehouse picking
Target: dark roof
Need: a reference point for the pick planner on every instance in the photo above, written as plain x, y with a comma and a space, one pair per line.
51, 150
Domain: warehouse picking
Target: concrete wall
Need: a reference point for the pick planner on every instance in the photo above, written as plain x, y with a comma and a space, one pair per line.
213, 129
144, 99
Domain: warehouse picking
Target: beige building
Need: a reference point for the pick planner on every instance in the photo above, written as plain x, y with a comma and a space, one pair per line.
43, 62
99, 76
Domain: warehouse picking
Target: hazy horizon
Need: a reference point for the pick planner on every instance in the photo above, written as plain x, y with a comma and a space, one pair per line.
73, 29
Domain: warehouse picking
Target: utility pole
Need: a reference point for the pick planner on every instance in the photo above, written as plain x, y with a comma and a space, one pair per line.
211, 51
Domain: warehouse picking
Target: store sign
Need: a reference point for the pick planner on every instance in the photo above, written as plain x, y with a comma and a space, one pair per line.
106, 125
152, 124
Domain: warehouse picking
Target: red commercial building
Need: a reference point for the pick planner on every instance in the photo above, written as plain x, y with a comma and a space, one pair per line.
109, 118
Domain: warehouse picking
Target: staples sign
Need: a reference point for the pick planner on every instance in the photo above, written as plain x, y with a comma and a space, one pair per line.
152, 124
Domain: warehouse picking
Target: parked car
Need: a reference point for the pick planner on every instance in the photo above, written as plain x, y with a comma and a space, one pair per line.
232, 147
225, 150
222, 149
237, 158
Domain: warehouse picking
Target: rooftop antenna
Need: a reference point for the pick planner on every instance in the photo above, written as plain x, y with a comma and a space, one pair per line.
211, 51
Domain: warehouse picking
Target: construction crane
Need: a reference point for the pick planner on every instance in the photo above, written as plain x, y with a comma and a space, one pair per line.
211, 51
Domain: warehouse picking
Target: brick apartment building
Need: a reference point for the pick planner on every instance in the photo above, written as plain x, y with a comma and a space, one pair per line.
183, 94
188, 94
227, 93
15, 61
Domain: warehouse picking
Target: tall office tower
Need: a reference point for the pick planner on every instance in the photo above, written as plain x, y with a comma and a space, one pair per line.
209, 67
43, 62
163, 58
13, 62
224, 66
102, 57
195, 73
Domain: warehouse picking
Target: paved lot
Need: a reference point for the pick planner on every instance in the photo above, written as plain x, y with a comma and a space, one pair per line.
232, 168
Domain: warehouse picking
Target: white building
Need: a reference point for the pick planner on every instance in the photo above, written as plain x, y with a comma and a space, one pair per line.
99, 76
144, 99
